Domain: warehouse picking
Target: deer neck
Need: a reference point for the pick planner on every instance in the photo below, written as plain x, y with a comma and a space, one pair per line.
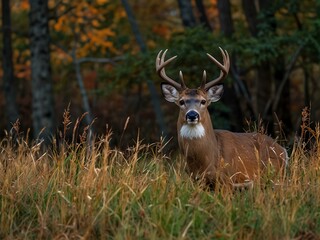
201, 152
196, 141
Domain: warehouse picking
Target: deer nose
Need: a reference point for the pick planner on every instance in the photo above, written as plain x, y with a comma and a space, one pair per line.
192, 116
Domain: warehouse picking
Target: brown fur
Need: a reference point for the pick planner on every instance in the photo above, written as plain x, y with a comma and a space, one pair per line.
233, 158
227, 156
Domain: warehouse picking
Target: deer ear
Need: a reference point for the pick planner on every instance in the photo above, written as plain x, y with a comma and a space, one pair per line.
170, 93
214, 93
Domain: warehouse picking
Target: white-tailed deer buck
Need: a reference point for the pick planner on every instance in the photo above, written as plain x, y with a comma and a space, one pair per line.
217, 155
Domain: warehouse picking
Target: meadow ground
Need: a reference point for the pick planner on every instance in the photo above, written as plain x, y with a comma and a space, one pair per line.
78, 192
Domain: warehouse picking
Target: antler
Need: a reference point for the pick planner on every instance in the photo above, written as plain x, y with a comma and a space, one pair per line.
161, 63
224, 69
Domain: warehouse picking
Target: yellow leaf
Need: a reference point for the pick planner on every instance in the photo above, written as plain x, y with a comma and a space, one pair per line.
101, 2
95, 23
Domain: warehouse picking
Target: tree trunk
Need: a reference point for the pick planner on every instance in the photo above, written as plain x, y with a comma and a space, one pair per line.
152, 89
267, 75
84, 96
225, 19
42, 92
283, 109
11, 110
186, 13
230, 98
203, 15
263, 83
251, 14
264, 80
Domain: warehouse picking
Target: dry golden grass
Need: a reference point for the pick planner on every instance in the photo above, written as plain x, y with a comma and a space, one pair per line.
73, 192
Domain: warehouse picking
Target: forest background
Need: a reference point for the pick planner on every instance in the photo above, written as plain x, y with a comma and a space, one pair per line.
98, 57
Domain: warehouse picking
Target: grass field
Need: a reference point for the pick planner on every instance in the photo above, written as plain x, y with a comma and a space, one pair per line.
76, 192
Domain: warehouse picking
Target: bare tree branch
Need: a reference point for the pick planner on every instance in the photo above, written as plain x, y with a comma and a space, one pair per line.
100, 60
112, 61
53, 15
84, 95
286, 76
274, 101
241, 86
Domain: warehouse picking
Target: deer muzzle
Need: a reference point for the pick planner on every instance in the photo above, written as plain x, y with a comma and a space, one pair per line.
192, 117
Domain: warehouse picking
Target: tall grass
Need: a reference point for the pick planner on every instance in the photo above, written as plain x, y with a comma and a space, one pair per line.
73, 192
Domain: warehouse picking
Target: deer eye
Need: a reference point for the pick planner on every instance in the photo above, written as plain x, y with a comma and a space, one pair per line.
181, 102
203, 102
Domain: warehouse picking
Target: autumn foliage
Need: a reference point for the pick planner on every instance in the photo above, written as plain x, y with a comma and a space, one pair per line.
98, 36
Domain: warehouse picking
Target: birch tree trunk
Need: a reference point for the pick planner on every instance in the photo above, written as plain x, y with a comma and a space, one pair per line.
42, 92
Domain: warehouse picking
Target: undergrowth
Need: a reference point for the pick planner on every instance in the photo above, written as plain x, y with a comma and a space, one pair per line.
74, 191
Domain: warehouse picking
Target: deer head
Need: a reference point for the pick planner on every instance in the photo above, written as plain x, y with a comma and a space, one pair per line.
193, 103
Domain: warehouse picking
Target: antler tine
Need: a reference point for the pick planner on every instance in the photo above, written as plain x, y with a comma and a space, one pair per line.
183, 85
224, 69
204, 79
160, 64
